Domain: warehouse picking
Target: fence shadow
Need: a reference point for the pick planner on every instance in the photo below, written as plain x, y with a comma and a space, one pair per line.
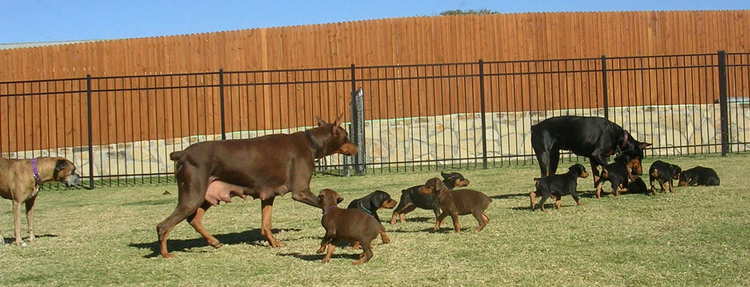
252, 237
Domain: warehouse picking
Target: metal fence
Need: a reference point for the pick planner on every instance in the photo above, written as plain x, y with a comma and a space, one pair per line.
121, 129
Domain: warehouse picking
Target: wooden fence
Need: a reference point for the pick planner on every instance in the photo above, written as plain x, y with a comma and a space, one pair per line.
442, 39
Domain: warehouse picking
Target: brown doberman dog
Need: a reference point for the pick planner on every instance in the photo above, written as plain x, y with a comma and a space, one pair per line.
351, 224
211, 172
20, 180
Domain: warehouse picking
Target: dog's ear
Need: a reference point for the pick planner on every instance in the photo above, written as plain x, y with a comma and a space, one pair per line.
444, 175
643, 145
337, 121
339, 200
320, 122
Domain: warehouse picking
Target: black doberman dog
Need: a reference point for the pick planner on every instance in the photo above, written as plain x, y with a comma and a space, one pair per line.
663, 172
698, 176
418, 196
620, 173
593, 137
558, 185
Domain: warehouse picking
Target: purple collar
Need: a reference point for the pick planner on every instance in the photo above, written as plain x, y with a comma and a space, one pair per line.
35, 168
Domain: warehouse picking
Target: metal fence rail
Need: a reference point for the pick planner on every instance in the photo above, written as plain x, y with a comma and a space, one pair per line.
454, 115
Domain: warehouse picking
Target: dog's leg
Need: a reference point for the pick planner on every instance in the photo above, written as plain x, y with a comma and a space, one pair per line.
196, 220
409, 207
669, 184
599, 187
532, 197
480, 220
661, 185
366, 253
653, 188
17, 223
554, 160
456, 223
30, 217
557, 201
595, 171
439, 220
541, 201
329, 252
266, 225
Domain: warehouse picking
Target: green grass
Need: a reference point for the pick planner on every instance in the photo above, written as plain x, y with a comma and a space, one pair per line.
699, 236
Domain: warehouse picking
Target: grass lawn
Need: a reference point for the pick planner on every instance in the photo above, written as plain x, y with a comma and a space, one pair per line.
699, 236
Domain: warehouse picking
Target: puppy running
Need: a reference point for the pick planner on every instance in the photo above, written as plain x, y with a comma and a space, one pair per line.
416, 196
558, 185
370, 204
349, 225
458, 202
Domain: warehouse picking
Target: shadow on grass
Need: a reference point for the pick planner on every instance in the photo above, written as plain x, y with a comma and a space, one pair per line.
318, 257
252, 237
8, 240
413, 219
504, 196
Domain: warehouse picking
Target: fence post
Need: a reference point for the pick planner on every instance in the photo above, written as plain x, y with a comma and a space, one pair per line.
221, 104
723, 102
605, 89
358, 130
483, 115
91, 131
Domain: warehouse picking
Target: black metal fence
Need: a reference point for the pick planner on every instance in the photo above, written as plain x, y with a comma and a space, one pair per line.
121, 129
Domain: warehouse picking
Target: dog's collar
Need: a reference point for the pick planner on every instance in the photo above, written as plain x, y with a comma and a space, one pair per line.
365, 210
35, 168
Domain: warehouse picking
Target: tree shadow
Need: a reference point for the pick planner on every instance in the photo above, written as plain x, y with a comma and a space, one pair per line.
252, 237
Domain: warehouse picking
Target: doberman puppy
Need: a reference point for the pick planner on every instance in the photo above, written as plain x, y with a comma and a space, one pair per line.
20, 180
458, 202
349, 224
370, 204
638, 186
620, 173
416, 196
558, 185
211, 172
698, 176
663, 172
593, 137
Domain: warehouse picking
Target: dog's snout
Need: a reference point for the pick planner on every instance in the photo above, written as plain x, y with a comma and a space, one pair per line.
72, 180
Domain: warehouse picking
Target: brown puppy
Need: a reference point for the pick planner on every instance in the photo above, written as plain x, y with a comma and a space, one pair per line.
458, 202
20, 180
347, 224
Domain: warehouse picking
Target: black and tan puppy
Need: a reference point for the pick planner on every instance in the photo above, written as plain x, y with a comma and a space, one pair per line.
663, 172
20, 180
351, 225
638, 186
417, 196
458, 202
372, 202
620, 173
698, 176
558, 185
